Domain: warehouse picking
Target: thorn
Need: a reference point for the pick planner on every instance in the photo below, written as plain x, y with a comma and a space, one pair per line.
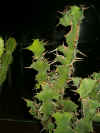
77, 59
52, 51
81, 53
28, 67
52, 62
60, 12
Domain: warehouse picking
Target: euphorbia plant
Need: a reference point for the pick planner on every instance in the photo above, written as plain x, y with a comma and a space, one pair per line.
59, 114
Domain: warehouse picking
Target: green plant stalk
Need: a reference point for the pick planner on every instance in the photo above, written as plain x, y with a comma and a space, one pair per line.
6, 56
73, 17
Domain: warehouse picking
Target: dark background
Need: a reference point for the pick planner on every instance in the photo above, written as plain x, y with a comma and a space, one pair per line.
38, 18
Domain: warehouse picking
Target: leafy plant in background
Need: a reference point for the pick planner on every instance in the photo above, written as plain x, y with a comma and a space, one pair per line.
57, 113
6, 57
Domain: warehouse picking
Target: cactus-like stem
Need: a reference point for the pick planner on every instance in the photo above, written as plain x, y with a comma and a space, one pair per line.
72, 17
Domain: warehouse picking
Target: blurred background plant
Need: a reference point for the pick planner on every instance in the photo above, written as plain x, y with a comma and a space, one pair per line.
6, 50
